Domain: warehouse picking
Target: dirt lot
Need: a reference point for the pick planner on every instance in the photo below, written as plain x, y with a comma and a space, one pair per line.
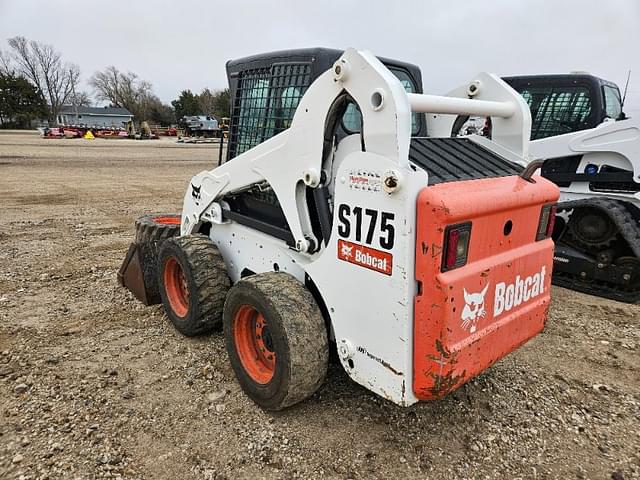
94, 385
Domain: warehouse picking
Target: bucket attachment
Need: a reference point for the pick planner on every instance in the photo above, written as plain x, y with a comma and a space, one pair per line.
132, 275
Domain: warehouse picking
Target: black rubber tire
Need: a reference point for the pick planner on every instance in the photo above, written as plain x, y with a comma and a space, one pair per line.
206, 278
298, 334
150, 235
148, 230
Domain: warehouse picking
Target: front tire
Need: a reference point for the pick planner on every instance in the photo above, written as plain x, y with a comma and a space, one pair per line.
157, 227
151, 232
193, 283
276, 339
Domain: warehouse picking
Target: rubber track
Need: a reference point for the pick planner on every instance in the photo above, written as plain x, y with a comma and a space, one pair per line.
630, 232
305, 330
210, 277
617, 212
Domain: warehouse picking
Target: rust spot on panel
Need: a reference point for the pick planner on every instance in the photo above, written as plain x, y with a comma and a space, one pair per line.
443, 384
445, 356
442, 350
443, 207
425, 248
546, 313
485, 273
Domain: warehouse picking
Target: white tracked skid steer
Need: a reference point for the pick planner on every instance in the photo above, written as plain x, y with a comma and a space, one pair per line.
337, 218
591, 150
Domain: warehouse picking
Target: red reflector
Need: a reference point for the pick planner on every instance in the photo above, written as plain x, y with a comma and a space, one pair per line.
546, 222
456, 246
552, 221
452, 248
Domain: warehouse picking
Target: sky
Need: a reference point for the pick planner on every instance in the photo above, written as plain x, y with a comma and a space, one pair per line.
184, 45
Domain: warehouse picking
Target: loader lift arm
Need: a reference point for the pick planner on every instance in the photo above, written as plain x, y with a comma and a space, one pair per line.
385, 108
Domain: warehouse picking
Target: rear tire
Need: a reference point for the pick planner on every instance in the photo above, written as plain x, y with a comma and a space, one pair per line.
276, 339
193, 283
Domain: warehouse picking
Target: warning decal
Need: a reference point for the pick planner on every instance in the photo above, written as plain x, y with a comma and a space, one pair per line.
365, 181
365, 257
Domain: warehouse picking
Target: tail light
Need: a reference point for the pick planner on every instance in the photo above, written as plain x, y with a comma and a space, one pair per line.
547, 222
456, 246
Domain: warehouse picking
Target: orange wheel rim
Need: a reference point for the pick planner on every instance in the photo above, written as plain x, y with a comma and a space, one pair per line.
166, 220
176, 287
254, 344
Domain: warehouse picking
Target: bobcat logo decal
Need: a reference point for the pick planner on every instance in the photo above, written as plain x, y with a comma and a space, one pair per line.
473, 309
347, 251
195, 192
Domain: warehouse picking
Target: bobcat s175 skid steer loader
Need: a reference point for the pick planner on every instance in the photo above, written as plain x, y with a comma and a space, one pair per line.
337, 218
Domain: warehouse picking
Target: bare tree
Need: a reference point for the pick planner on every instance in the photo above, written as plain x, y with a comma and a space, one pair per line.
80, 99
125, 90
107, 86
129, 91
5, 63
44, 67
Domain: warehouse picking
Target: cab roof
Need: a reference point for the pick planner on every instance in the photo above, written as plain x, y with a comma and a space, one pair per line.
558, 79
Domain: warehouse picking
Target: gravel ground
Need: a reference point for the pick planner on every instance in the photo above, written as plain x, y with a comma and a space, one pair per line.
95, 385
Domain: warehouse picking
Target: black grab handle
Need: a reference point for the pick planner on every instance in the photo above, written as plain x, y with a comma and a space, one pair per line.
528, 172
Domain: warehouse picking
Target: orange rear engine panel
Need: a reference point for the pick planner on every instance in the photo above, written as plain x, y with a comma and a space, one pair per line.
469, 317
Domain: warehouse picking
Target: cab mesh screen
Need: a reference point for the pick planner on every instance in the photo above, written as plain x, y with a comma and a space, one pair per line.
264, 103
557, 110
